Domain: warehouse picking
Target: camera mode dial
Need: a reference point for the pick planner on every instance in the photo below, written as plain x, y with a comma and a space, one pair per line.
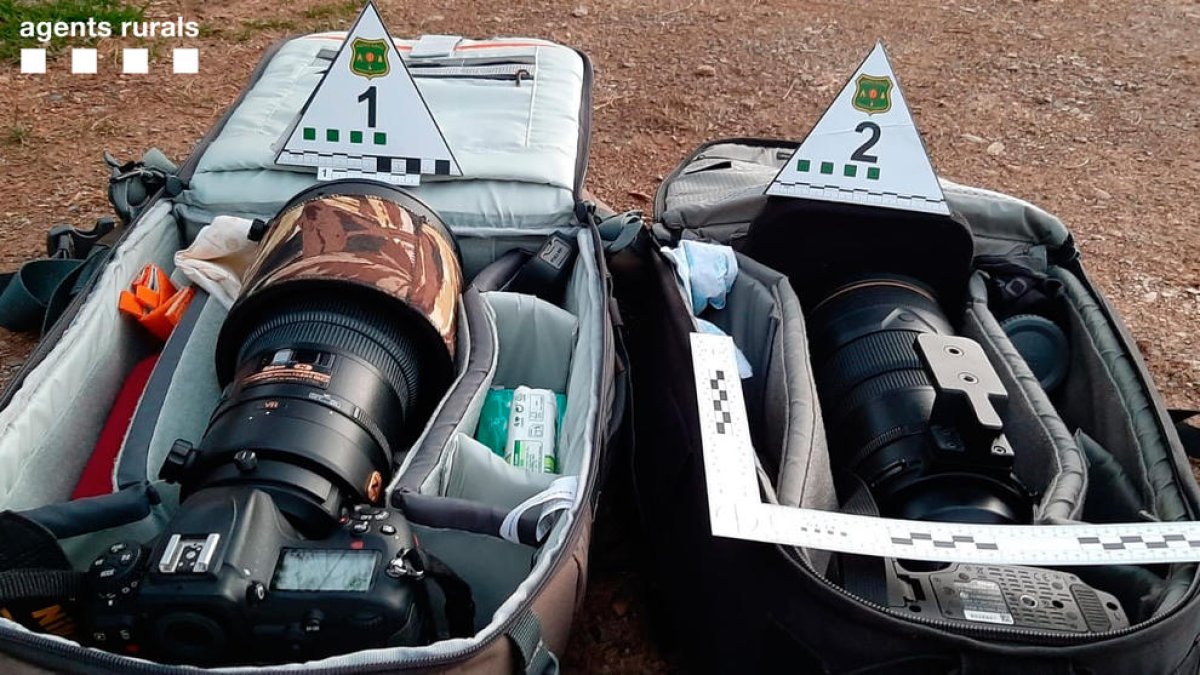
117, 572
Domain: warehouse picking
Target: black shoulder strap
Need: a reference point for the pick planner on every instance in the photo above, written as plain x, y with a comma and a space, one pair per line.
35, 575
460, 605
34, 296
20, 585
863, 575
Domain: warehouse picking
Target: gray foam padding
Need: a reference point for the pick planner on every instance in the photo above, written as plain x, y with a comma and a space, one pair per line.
1047, 458
1105, 397
184, 408
49, 428
476, 473
536, 340
764, 318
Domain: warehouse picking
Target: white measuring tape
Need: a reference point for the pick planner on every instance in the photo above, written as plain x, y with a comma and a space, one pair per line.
737, 511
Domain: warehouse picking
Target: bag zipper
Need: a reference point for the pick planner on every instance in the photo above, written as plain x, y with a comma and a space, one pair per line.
517, 72
660, 195
1034, 635
518, 68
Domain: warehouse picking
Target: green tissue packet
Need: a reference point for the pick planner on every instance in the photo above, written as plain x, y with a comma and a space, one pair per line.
493, 420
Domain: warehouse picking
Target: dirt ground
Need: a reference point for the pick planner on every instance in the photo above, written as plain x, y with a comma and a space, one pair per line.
1087, 109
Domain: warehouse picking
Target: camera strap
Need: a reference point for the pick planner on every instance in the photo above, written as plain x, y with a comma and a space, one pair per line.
547, 272
34, 584
38, 587
863, 575
460, 604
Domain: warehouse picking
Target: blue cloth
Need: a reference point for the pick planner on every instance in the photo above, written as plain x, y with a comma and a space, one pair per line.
706, 273
713, 269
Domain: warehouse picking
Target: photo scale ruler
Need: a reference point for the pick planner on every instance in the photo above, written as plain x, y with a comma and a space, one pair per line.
737, 511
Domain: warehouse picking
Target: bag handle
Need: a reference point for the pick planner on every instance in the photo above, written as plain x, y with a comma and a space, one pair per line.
132, 185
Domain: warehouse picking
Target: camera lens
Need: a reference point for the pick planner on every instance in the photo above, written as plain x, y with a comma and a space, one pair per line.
335, 353
877, 399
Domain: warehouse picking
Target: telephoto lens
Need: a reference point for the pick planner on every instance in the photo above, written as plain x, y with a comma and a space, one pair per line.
878, 400
331, 359
335, 353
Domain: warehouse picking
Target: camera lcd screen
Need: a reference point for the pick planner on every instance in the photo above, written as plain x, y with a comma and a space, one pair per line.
307, 569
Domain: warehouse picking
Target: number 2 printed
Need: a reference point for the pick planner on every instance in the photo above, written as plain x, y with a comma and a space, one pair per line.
860, 155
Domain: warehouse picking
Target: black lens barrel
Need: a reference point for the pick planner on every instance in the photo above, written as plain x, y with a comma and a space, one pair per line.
324, 393
878, 399
351, 325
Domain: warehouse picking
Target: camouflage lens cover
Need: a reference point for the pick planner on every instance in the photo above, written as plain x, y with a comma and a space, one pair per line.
369, 235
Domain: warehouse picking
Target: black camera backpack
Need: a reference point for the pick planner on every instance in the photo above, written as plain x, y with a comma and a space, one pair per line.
52, 413
743, 606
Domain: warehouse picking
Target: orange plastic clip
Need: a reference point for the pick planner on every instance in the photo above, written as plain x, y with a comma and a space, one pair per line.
154, 301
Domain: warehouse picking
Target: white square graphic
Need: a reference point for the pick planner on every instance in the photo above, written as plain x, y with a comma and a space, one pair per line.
83, 61
33, 61
187, 61
135, 61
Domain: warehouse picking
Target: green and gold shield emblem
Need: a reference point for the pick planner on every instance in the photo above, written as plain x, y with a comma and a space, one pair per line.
873, 95
369, 58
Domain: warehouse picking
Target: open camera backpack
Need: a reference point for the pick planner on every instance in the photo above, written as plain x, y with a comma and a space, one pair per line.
517, 114
1102, 449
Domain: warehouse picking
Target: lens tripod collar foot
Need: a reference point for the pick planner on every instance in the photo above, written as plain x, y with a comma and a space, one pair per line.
969, 390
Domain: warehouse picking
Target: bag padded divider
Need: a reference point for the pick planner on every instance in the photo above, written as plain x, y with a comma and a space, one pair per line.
536, 341
52, 422
474, 472
494, 566
764, 318
130, 514
586, 300
1046, 456
180, 396
459, 412
421, 469
1105, 397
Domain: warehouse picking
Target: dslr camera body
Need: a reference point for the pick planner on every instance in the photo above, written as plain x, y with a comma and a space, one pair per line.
331, 359
231, 577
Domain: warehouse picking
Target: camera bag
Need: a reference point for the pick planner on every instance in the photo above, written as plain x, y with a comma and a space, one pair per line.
517, 114
735, 605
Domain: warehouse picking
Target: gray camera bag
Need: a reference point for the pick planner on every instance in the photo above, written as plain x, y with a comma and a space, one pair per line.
744, 606
517, 114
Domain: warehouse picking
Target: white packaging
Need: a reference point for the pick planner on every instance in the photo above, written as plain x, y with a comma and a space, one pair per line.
531, 423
